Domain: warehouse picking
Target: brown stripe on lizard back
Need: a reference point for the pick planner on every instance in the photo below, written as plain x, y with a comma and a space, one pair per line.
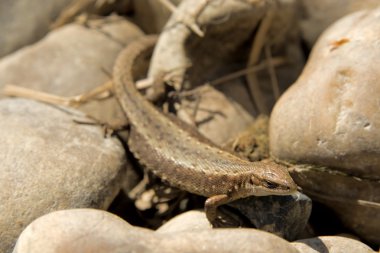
181, 158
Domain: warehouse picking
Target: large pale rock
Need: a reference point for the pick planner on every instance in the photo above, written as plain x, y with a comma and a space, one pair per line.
23, 22
49, 162
63, 65
283, 216
81, 231
225, 240
330, 118
331, 244
331, 115
188, 221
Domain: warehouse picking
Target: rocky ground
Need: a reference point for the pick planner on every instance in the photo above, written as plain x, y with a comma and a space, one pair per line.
294, 81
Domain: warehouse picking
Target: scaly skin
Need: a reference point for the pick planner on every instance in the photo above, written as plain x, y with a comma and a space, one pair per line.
184, 159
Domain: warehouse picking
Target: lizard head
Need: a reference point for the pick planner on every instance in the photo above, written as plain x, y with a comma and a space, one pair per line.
270, 178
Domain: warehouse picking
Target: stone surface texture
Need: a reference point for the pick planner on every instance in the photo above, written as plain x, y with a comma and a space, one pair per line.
330, 118
354, 200
63, 65
331, 244
213, 109
188, 221
331, 115
49, 162
80, 231
285, 216
85, 230
23, 22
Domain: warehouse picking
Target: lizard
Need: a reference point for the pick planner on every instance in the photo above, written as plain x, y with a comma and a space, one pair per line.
182, 158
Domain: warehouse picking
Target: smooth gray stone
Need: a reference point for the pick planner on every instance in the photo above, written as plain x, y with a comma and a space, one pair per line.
49, 162
331, 244
23, 21
189, 221
285, 216
86, 230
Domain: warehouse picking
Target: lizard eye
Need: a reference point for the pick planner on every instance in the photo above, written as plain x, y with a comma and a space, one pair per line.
270, 185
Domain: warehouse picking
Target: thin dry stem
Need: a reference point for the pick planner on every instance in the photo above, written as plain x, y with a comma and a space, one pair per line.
260, 38
249, 70
254, 56
277, 61
17, 91
272, 73
188, 19
99, 92
144, 83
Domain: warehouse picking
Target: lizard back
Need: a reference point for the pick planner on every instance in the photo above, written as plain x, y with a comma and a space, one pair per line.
173, 154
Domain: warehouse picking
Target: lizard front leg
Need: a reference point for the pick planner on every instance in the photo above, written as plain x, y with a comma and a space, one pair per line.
211, 206
211, 209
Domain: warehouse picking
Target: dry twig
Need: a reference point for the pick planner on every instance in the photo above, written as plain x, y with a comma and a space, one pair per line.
99, 92
258, 44
190, 19
272, 72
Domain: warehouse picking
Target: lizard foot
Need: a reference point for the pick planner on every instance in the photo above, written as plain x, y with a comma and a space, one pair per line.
217, 217
226, 219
